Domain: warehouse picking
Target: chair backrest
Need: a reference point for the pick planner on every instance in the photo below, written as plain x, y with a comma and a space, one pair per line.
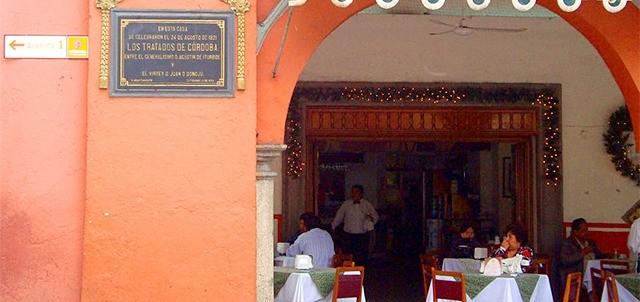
612, 287
348, 283
338, 259
448, 285
348, 263
572, 288
542, 266
596, 282
617, 267
427, 262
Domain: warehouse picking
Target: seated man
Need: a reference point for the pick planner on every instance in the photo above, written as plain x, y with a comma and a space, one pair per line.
313, 241
577, 249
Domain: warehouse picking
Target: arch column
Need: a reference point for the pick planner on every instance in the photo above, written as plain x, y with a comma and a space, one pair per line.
265, 185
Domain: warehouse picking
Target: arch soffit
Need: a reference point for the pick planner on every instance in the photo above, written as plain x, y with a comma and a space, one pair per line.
310, 25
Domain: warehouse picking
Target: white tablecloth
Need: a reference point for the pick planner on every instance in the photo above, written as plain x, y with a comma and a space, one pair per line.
586, 275
623, 294
502, 289
461, 265
301, 288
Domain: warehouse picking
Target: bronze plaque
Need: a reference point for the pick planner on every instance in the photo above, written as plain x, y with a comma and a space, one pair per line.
172, 53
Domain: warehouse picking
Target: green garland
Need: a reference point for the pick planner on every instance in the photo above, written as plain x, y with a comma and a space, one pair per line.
616, 142
536, 95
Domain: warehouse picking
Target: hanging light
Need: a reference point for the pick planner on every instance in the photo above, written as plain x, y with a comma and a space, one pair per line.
614, 6
387, 4
478, 4
569, 5
523, 5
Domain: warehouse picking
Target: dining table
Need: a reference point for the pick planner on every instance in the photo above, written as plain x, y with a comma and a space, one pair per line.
628, 286
586, 275
305, 285
503, 288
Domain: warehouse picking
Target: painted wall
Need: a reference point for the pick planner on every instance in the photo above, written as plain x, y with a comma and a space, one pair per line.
42, 149
392, 51
170, 188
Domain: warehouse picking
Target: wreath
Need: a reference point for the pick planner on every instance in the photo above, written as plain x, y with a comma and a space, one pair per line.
616, 141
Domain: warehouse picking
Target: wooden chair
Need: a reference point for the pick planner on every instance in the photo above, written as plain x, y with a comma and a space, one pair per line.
428, 263
617, 267
348, 283
348, 263
542, 266
612, 287
444, 288
596, 282
338, 259
572, 288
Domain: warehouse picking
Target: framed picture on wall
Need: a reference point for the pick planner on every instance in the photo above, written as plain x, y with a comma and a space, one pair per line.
507, 177
632, 214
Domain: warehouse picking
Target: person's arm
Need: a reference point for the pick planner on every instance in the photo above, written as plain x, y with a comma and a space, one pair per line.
569, 254
296, 247
596, 252
633, 241
339, 216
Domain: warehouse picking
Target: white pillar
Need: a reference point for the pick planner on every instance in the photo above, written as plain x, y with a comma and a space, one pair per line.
264, 219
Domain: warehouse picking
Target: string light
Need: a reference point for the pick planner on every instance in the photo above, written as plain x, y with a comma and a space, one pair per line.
430, 96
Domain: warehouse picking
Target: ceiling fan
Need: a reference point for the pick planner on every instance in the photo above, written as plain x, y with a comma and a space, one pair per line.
463, 28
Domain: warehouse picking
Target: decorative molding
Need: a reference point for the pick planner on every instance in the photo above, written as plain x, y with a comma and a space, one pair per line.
105, 7
540, 96
240, 7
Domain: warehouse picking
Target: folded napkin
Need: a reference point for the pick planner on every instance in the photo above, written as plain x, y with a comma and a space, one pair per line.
512, 265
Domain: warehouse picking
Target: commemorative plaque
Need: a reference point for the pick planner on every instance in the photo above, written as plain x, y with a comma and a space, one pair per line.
172, 53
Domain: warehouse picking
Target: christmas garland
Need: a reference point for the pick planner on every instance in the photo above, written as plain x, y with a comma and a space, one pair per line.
540, 95
616, 141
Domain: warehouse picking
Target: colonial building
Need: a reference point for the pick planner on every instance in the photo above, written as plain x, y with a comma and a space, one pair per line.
114, 195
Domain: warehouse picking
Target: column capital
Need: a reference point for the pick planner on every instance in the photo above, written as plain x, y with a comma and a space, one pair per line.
266, 154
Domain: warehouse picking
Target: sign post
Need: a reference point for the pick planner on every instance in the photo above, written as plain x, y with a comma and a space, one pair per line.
46, 47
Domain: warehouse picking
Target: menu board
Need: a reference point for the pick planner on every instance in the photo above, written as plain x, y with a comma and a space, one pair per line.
172, 53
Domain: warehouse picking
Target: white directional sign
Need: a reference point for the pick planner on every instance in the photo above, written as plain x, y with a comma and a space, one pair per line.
46, 47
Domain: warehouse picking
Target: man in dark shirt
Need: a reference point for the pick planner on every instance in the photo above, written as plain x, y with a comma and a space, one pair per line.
463, 246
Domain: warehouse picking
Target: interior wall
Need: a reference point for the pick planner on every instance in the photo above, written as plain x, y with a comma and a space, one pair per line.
391, 51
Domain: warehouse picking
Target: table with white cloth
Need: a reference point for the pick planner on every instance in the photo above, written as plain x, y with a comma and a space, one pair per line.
294, 285
586, 275
628, 286
506, 288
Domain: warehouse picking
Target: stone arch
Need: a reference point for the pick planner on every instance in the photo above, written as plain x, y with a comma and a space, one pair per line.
614, 36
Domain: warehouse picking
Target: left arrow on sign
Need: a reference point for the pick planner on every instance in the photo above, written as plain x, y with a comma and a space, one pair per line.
13, 44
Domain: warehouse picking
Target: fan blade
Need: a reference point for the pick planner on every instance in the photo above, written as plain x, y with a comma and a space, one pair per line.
443, 32
442, 23
506, 30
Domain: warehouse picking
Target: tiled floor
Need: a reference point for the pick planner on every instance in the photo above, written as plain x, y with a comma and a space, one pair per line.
394, 279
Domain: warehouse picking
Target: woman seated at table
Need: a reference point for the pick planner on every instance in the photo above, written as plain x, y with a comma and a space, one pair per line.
513, 245
463, 246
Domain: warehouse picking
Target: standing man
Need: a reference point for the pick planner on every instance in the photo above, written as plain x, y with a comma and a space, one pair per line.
633, 243
358, 216
313, 241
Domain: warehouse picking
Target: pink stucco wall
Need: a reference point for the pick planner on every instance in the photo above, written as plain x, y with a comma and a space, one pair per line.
170, 210
42, 166
121, 199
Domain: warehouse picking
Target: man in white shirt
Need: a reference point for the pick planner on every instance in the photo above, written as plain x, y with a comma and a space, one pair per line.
313, 241
358, 216
633, 243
